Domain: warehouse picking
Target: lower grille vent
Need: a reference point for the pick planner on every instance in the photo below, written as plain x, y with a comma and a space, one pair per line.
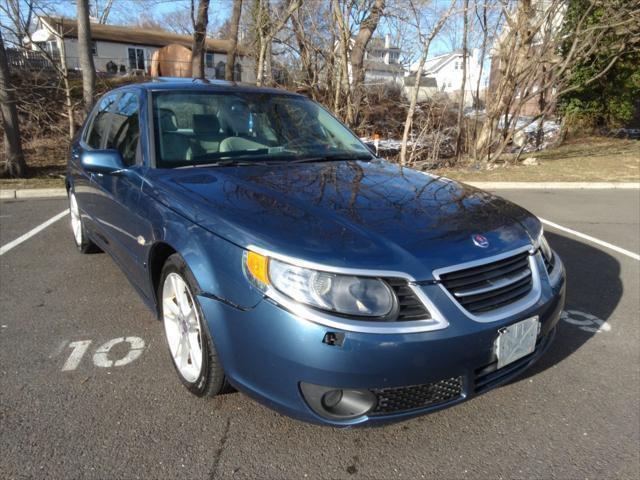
402, 399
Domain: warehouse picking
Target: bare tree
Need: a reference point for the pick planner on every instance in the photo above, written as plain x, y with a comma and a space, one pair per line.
233, 39
426, 40
199, 37
268, 28
15, 165
100, 10
19, 14
85, 55
465, 61
360, 42
531, 63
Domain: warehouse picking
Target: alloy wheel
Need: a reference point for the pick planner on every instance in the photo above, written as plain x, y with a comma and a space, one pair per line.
76, 222
182, 327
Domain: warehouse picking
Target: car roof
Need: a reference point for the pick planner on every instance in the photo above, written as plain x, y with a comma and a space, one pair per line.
165, 83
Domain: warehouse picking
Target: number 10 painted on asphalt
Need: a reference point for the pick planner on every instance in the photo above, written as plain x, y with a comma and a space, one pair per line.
101, 355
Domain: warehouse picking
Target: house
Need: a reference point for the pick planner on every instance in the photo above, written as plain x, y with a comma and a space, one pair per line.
130, 49
428, 87
382, 62
447, 70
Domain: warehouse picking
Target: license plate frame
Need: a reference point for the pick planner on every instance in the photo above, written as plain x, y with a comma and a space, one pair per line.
517, 341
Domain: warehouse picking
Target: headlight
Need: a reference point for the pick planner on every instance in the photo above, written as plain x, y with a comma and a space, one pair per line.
544, 246
343, 294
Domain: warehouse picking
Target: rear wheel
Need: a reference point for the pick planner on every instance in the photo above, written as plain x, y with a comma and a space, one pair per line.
84, 244
193, 354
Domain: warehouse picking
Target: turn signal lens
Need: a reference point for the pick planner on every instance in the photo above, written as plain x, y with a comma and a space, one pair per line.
258, 266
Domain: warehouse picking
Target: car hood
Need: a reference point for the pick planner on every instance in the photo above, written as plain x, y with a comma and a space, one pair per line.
373, 215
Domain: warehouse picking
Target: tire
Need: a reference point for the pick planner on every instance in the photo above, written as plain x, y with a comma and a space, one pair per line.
80, 237
189, 342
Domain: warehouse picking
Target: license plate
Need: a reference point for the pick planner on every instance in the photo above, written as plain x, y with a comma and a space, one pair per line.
517, 341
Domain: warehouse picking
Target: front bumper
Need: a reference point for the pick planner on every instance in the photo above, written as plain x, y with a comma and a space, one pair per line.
267, 351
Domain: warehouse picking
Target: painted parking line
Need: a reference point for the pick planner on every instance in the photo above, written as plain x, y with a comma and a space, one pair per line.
23, 238
591, 239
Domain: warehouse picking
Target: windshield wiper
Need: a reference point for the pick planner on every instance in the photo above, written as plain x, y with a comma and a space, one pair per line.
332, 158
232, 154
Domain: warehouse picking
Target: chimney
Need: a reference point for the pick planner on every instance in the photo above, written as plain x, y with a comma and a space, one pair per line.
387, 41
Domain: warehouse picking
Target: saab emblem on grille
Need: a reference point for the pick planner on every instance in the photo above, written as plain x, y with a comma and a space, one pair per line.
480, 240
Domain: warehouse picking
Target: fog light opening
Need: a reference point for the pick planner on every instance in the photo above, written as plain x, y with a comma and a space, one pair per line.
331, 399
338, 404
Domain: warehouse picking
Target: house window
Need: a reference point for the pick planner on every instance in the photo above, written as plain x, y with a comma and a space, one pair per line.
208, 60
220, 70
94, 48
455, 66
237, 72
136, 58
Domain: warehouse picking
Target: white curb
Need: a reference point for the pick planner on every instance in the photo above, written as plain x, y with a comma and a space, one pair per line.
556, 185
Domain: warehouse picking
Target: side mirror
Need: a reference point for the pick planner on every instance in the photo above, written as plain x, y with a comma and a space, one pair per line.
102, 161
371, 146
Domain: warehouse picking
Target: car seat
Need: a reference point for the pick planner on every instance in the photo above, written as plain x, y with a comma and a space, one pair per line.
174, 146
207, 136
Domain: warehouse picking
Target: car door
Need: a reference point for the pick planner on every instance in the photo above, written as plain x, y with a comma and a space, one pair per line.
116, 205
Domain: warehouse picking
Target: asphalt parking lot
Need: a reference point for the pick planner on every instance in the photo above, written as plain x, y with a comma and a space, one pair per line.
87, 389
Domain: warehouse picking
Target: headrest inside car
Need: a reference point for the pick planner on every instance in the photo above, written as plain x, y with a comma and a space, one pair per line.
204, 123
168, 121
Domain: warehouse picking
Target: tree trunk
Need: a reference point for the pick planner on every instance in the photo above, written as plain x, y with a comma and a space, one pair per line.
199, 37
85, 55
465, 55
483, 52
261, 60
367, 27
308, 77
15, 165
233, 40
267, 30
67, 87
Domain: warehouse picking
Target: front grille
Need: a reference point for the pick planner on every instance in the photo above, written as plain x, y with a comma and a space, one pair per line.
402, 399
410, 306
492, 285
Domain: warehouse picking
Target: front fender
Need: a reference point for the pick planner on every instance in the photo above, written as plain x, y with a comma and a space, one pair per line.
216, 264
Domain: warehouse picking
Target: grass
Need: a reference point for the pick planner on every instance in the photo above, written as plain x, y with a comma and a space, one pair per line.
592, 159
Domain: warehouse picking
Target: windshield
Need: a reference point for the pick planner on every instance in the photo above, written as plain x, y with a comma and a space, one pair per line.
202, 128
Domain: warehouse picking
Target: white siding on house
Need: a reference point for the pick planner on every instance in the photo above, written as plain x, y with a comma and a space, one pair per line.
119, 54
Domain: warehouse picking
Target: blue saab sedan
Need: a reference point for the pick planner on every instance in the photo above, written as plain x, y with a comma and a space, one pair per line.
287, 260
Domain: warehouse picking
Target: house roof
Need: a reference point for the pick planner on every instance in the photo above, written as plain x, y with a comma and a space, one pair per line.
135, 35
440, 61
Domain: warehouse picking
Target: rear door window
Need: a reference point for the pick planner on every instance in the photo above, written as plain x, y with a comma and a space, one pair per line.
100, 123
124, 131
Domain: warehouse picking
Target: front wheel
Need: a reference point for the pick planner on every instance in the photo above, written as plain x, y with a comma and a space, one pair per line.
83, 243
193, 354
